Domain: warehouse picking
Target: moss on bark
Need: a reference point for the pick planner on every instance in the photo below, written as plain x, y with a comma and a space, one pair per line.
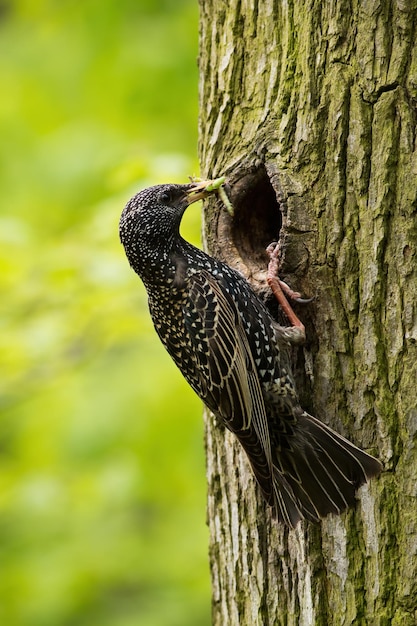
316, 103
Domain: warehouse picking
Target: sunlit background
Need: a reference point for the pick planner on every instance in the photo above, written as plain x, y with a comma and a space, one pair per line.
102, 485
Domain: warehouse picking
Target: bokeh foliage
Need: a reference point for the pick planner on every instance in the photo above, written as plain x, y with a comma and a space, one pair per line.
102, 487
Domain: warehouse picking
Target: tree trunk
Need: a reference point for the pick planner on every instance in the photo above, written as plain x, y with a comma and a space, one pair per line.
309, 109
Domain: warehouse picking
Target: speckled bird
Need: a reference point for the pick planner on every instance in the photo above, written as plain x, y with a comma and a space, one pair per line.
235, 356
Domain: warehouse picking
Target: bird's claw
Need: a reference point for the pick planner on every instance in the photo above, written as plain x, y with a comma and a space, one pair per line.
273, 249
304, 300
279, 287
273, 269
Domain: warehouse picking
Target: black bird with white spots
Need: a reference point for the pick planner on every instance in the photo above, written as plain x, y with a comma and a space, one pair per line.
235, 357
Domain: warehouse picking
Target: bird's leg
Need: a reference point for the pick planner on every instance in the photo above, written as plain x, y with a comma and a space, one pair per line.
278, 287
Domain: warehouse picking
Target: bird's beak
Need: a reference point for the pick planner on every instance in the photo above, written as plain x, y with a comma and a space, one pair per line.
202, 189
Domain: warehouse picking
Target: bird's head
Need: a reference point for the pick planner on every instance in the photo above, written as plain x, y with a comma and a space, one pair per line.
151, 219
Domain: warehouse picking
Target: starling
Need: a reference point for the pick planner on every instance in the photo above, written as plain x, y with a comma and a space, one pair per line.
236, 358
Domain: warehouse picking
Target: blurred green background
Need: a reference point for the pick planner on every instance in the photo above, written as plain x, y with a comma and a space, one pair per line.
102, 480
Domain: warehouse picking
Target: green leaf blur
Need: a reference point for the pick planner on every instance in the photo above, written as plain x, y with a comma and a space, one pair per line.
102, 486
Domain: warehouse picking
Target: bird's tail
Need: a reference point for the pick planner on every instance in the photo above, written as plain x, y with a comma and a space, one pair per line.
318, 473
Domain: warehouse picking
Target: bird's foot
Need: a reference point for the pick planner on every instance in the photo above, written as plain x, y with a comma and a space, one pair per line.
278, 287
273, 253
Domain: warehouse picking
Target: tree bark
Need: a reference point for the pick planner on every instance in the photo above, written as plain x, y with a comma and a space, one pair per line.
309, 109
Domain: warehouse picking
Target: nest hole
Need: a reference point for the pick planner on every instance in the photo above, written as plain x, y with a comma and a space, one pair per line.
241, 239
257, 219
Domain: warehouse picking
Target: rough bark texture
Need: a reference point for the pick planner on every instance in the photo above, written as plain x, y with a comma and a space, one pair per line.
310, 109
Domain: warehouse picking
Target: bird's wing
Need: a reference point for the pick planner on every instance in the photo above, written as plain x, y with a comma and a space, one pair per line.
228, 377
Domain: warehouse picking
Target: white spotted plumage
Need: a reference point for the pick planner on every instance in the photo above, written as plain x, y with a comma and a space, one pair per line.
235, 357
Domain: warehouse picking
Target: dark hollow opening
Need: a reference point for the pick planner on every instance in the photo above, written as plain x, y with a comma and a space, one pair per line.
257, 217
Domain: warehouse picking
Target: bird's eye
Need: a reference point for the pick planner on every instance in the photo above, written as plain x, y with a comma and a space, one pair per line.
164, 197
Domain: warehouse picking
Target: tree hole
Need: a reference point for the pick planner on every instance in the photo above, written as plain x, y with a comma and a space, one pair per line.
256, 222
257, 219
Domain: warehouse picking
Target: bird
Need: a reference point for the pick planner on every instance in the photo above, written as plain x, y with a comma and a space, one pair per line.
236, 357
